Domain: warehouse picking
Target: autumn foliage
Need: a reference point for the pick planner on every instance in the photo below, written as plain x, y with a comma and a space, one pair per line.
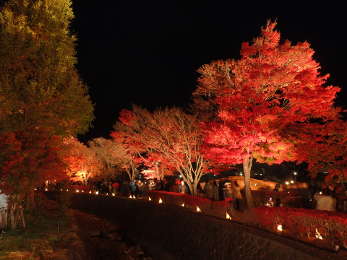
169, 139
28, 160
273, 87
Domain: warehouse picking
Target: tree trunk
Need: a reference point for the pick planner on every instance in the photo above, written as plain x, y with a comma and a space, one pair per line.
193, 188
247, 166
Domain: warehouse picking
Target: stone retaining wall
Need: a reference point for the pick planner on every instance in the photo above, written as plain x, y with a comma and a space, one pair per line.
188, 235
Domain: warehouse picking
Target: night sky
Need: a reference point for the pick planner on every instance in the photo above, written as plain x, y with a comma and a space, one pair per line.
147, 52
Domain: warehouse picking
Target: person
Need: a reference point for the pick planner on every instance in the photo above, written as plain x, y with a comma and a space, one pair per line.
132, 186
277, 187
215, 190
115, 188
3, 211
237, 196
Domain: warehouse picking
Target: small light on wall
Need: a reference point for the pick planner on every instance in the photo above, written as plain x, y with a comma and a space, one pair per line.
279, 228
198, 209
160, 201
318, 235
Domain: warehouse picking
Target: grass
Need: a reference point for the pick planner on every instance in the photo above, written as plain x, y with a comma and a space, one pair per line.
46, 232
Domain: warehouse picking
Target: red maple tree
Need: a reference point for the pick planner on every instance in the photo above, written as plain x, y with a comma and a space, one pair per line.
28, 159
81, 162
169, 137
272, 86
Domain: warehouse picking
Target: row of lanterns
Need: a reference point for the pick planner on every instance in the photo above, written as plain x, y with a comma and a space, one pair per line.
160, 201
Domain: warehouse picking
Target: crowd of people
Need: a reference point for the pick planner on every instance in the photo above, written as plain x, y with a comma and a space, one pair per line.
323, 197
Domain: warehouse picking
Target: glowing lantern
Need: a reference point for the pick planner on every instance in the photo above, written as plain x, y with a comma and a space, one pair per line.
287, 182
320, 193
90, 192
46, 189
198, 209
182, 204
60, 189
82, 190
96, 193
160, 201
279, 228
67, 189
106, 194
149, 199
77, 191
113, 194
291, 181
227, 216
318, 235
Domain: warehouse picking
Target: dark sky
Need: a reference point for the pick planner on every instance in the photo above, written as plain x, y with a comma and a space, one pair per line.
147, 52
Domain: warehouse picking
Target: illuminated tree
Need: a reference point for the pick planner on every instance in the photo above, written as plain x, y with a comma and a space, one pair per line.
107, 152
157, 166
27, 161
322, 146
170, 133
81, 162
127, 155
271, 87
39, 84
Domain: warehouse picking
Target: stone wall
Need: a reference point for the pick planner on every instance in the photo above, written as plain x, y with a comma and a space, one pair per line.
188, 235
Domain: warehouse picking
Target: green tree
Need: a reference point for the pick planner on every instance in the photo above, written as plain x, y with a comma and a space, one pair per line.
39, 84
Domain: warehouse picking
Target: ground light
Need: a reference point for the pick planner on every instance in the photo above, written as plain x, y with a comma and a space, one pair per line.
279, 228
96, 193
227, 216
318, 235
198, 209
149, 199
113, 194
182, 205
160, 201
